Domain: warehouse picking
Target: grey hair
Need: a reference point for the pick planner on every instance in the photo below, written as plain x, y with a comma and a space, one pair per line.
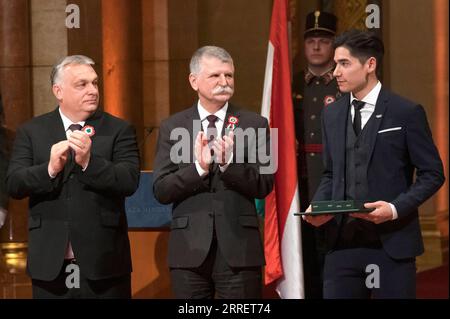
208, 51
55, 76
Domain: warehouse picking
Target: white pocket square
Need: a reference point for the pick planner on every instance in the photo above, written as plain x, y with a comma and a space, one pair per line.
390, 129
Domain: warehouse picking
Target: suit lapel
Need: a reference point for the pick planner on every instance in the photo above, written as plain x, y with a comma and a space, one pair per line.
194, 116
340, 139
232, 111
340, 133
377, 118
95, 121
56, 127
193, 125
56, 134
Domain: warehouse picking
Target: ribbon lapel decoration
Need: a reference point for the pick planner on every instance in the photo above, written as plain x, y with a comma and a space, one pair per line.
89, 130
232, 122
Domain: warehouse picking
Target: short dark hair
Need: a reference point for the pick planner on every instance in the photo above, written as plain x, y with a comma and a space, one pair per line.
362, 45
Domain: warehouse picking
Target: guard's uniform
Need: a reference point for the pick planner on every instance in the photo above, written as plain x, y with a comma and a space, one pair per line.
311, 94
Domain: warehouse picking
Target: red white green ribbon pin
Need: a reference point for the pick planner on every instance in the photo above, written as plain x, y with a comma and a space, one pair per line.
328, 99
89, 130
232, 122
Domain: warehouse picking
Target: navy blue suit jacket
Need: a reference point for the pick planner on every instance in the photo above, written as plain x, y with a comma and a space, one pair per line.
400, 145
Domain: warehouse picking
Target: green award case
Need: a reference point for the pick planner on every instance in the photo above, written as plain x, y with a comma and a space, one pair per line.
337, 207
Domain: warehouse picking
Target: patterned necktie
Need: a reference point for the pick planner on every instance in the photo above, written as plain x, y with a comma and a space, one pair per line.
74, 127
211, 131
357, 119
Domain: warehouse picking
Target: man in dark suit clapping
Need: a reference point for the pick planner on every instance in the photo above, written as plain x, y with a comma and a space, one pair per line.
77, 164
215, 247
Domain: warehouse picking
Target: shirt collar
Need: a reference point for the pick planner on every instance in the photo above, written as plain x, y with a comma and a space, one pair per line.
67, 122
327, 76
204, 113
371, 97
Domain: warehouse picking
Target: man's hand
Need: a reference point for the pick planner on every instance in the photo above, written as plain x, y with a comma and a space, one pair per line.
316, 220
58, 157
81, 143
223, 148
381, 214
202, 151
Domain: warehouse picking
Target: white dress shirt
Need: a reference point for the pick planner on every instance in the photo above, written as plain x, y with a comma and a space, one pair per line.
367, 110
67, 123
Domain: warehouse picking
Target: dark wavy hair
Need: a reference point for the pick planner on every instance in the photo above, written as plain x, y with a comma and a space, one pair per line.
362, 45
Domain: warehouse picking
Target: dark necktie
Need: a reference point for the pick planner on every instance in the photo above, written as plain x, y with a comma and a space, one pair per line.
74, 127
71, 160
211, 133
67, 171
357, 119
211, 130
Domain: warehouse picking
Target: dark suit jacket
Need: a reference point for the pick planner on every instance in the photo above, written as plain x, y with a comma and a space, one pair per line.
85, 207
395, 155
226, 200
5, 149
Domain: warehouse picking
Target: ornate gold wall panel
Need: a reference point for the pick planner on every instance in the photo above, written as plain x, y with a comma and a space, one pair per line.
351, 14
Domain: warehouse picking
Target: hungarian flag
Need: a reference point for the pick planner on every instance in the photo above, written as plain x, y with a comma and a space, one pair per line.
282, 230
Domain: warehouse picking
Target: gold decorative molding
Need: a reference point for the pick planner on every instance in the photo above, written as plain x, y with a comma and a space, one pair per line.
14, 257
14, 282
351, 14
294, 30
436, 244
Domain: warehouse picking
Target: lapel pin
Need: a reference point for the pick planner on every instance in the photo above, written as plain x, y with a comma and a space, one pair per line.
232, 122
378, 116
89, 130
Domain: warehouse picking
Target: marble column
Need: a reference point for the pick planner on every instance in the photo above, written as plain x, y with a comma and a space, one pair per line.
427, 84
15, 61
15, 87
87, 39
169, 37
440, 12
122, 61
